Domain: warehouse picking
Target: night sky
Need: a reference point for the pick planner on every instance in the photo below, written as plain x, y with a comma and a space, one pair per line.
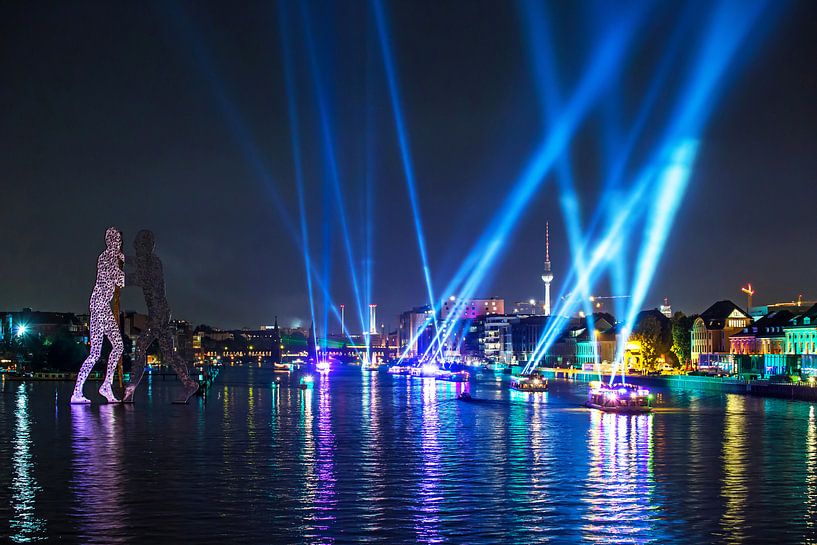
173, 117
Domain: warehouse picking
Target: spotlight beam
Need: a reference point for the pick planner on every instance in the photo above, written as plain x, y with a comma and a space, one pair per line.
405, 151
540, 48
541, 52
730, 24
329, 157
609, 55
294, 128
231, 115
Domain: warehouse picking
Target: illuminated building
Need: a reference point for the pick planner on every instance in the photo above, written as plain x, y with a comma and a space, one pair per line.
711, 330
415, 331
666, 308
795, 307
497, 340
765, 336
525, 335
527, 308
633, 353
596, 343
801, 333
258, 346
473, 308
547, 276
41, 324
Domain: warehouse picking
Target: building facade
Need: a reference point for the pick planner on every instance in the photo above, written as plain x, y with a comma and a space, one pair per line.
415, 331
801, 333
712, 329
765, 336
472, 308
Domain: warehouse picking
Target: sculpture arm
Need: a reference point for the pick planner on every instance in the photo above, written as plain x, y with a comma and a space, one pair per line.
131, 272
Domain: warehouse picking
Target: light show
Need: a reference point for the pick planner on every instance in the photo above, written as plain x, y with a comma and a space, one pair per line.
527, 272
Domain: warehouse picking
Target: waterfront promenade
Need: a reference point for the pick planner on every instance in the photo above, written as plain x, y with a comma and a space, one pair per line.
797, 391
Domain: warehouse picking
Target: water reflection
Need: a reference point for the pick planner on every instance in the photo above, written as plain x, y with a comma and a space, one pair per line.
98, 476
541, 454
350, 462
324, 506
427, 519
25, 526
620, 479
735, 457
371, 453
811, 475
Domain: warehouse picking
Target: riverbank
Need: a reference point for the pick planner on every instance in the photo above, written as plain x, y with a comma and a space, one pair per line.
799, 392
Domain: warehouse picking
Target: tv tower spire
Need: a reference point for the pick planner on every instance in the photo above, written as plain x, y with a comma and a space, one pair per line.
547, 277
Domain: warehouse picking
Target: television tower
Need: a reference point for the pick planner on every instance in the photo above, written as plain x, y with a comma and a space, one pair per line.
547, 277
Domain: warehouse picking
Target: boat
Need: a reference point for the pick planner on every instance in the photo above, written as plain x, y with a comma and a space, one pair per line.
399, 370
281, 367
529, 383
427, 370
465, 396
619, 398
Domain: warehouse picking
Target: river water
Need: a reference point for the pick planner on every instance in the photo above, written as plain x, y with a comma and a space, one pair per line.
370, 457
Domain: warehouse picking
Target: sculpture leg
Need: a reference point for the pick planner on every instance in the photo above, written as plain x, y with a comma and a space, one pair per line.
112, 331
179, 366
96, 349
138, 364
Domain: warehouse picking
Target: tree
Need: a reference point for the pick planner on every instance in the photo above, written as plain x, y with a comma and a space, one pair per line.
681, 342
654, 340
64, 352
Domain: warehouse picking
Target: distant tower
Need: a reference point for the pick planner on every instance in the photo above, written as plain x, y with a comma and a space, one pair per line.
343, 319
277, 345
666, 308
372, 319
547, 277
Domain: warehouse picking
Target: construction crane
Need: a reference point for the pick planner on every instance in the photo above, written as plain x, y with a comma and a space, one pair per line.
749, 291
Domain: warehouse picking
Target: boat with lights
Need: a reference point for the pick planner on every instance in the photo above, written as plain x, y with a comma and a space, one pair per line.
619, 398
529, 383
400, 370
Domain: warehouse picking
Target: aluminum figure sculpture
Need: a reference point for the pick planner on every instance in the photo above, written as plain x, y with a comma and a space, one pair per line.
109, 276
149, 275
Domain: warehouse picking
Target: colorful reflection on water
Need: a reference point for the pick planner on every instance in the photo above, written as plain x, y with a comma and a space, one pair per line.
365, 456
24, 524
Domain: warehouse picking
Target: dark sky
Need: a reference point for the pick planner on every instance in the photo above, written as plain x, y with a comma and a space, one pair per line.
173, 117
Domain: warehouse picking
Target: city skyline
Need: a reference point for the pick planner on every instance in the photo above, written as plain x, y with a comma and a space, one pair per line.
408, 271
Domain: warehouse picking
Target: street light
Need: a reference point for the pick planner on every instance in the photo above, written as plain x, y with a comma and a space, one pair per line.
22, 329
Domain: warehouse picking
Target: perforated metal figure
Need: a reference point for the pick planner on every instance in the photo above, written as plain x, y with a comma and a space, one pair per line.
150, 276
109, 276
